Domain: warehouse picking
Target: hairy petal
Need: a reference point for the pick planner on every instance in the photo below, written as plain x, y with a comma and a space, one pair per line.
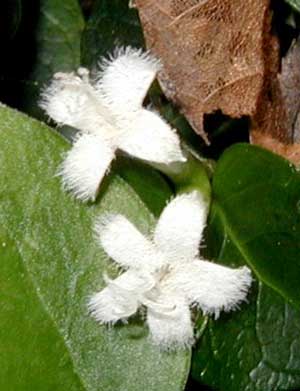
126, 77
85, 165
120, 299
66, 98
147, 136
125, 244
212, 287
171, 326
71, 100
179, 229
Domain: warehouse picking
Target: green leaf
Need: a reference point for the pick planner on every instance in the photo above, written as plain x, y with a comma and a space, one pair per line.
257, 195
112, 24
255, 348
62, 267
295, 4
33, 353
58, 34
146, 182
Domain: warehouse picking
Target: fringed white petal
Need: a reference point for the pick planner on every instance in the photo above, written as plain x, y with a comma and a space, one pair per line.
71, 100
171, 328
126, 77
212, 287
120, 299
65, 98
125, 244
85, 166
147, 136
179, 229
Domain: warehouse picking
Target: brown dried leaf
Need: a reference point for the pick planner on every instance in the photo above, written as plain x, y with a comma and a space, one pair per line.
221, 55
276, 125
289, 151
290, 86
270, 116
212, 51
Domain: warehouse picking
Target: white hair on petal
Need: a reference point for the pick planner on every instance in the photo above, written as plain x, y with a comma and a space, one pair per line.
171, 330
111, 110
120, 299
182, 221
124, 243
71, 100
125, 78
148, 137
211, 287
64, 99
135, 58
85, 165
163, 281
109, 307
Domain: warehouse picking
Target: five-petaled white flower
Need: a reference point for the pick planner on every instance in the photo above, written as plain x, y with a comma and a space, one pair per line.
164, 273
109, 114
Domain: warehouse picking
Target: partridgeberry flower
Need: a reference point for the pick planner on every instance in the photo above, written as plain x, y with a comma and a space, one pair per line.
109, 115
165, 274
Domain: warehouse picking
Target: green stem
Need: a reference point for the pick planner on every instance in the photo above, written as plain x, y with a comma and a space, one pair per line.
194, 174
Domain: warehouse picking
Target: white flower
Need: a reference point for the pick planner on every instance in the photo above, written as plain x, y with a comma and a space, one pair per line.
110, 116
165, 275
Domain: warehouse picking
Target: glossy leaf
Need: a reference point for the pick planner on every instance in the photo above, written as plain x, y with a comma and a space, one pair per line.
51, 242
257, 195
255, 348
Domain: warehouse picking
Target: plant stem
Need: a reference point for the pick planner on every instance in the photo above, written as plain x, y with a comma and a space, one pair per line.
194, 174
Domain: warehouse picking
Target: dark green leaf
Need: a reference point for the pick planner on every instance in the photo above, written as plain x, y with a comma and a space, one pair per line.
146, 182
255, 348
295, 4
257, 195
112, 24
58, 34
63, 266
